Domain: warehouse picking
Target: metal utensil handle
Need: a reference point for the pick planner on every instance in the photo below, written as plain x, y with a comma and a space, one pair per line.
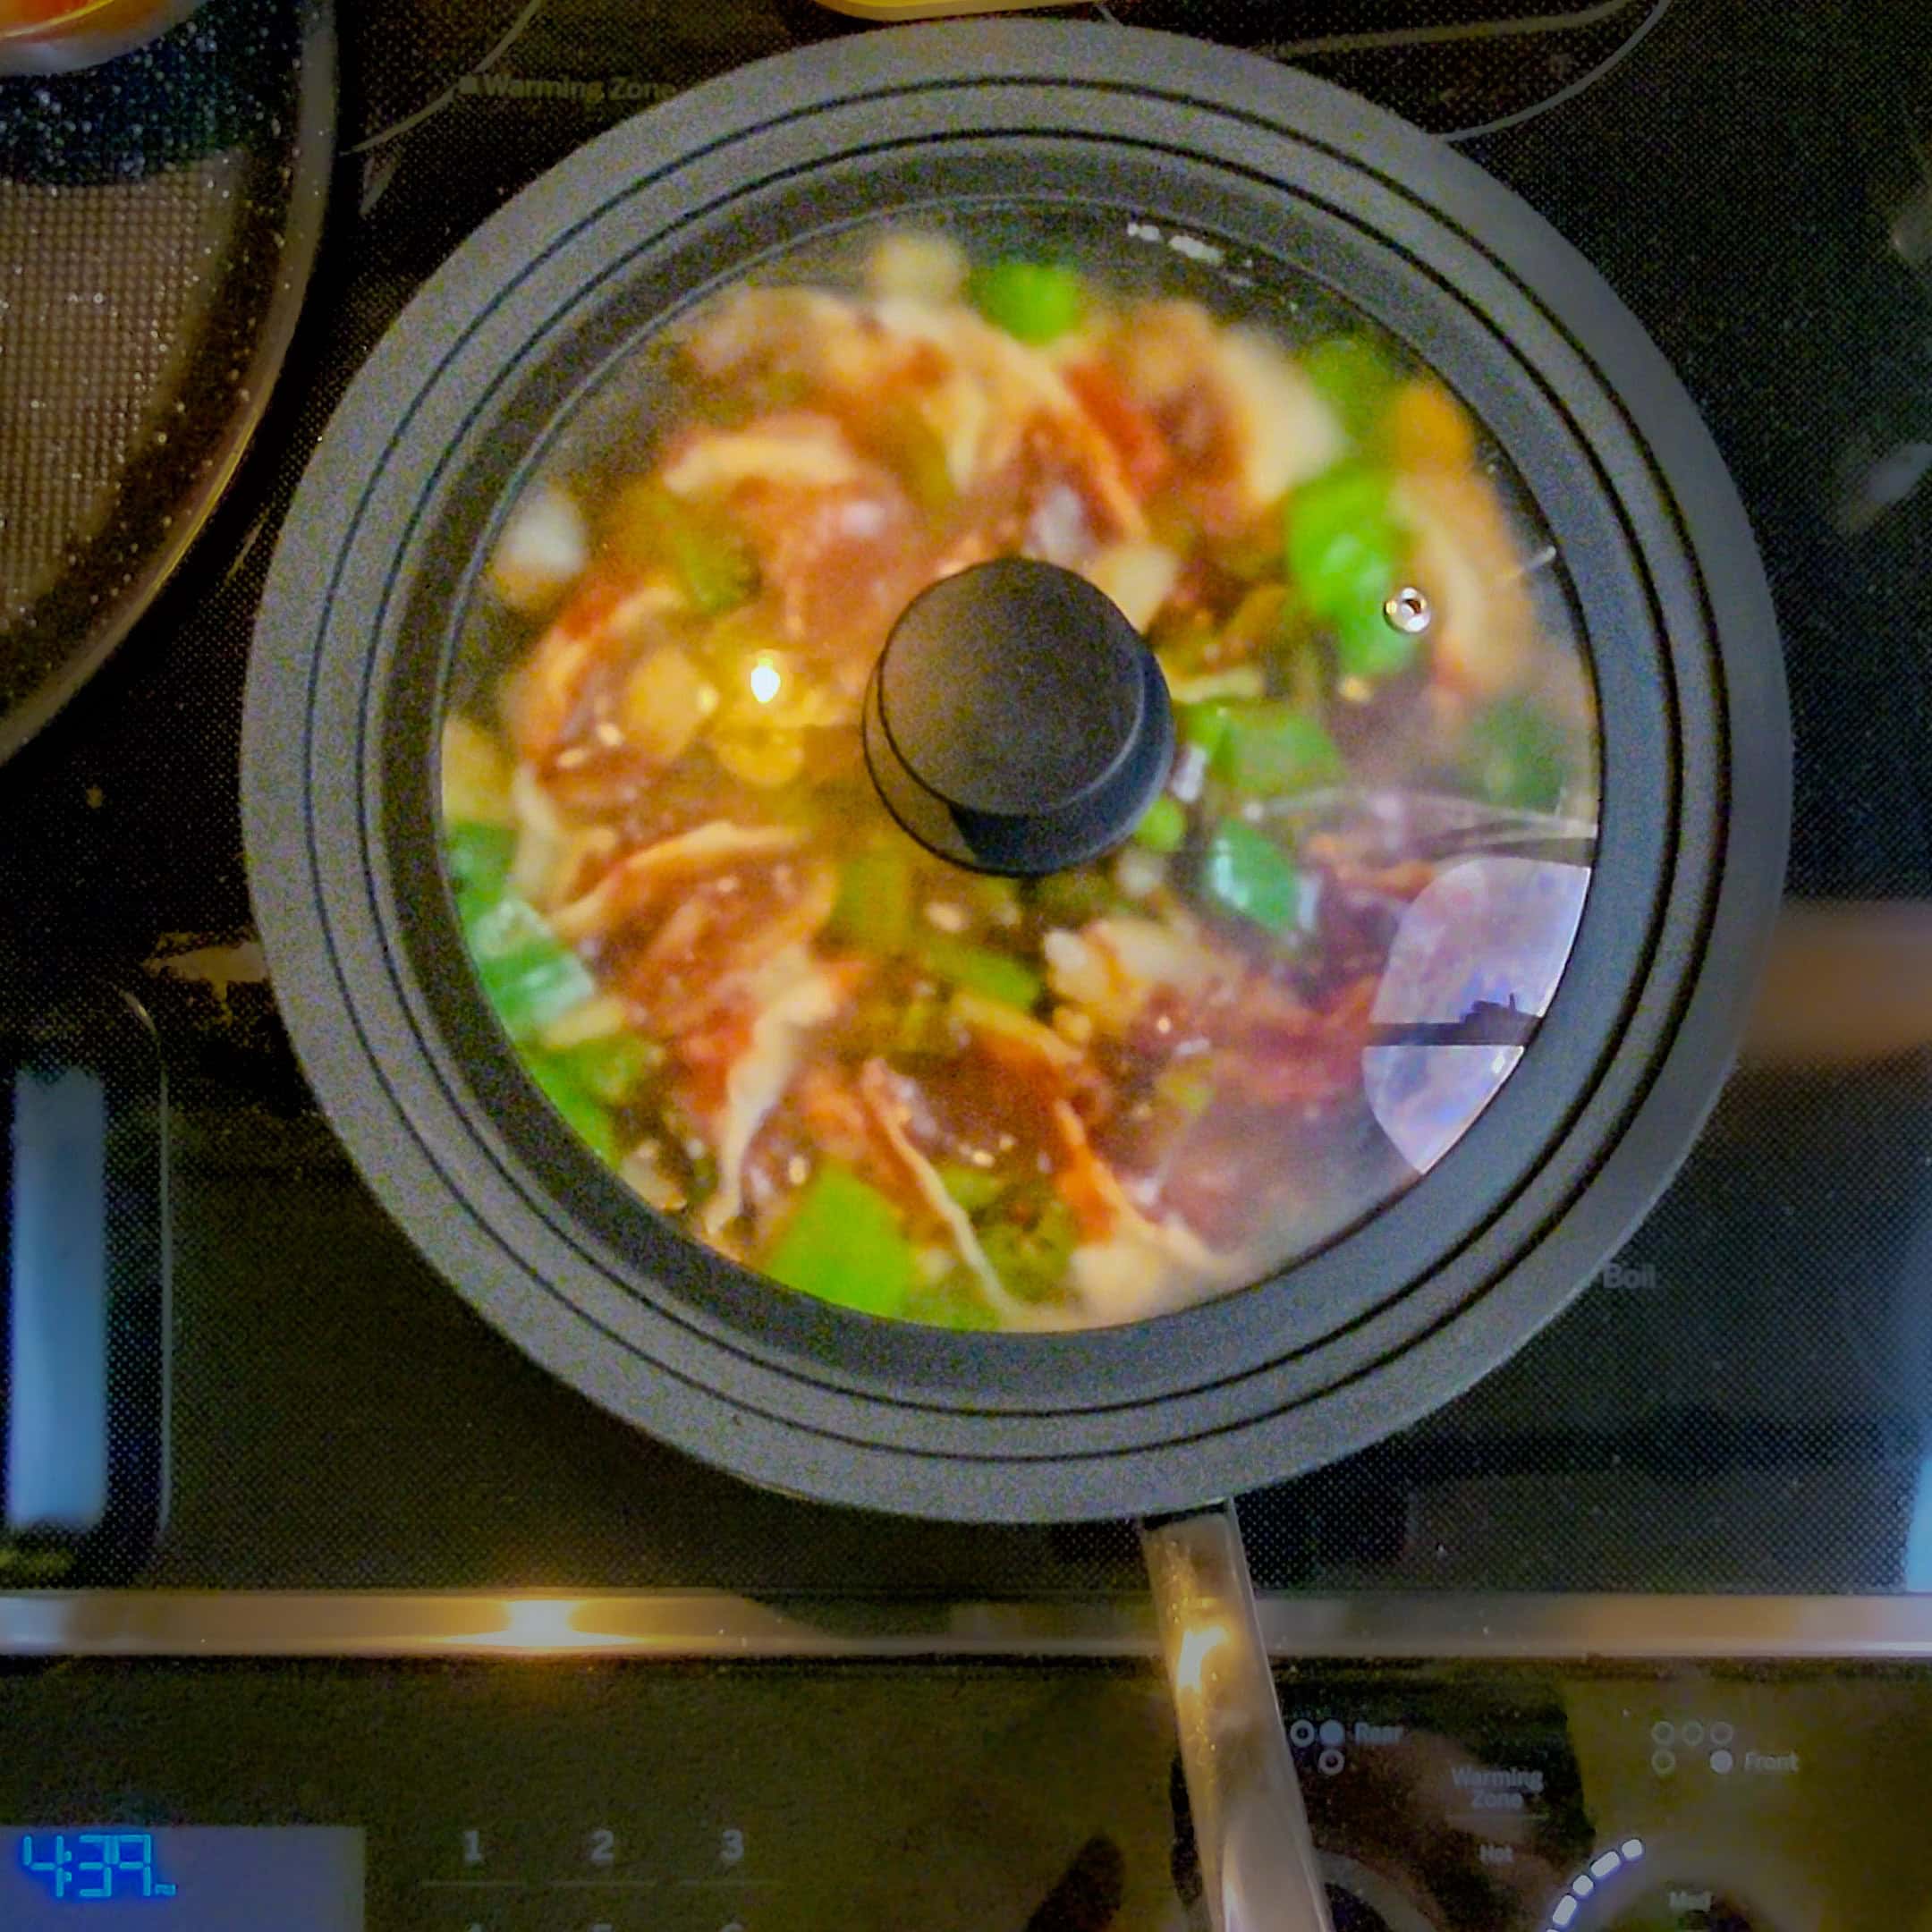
1257, 1861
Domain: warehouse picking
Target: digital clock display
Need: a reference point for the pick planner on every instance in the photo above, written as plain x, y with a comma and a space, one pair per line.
297, 1877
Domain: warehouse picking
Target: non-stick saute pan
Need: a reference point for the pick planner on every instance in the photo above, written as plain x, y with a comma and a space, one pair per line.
1017, 772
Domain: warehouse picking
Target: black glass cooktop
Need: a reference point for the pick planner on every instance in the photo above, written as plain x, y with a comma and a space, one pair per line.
1740, 1402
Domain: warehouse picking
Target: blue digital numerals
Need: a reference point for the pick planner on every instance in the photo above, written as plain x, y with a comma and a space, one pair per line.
97, 1865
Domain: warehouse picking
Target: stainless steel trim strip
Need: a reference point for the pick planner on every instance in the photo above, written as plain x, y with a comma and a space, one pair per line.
720, 1627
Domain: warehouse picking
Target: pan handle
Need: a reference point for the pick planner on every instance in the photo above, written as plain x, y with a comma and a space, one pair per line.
1258, 1862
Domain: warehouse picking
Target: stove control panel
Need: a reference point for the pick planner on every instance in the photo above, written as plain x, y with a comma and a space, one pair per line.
573, 1794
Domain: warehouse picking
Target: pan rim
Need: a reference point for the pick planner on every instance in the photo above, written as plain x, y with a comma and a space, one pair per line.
988, 1466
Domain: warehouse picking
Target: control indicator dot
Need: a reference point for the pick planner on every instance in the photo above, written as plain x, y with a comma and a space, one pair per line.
1332, 1733
1603, 1866
1664, 1734
1330, 1762
1721, 1762
1693, 1733
1721, 1733
1664, 1762
1606, 1865
1301, 1733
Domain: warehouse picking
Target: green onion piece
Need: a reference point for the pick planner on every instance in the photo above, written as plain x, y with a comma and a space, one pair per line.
1517, 757
582, 1114
529, 975
1203, 726
1250, 876
1029, 1244
1270, 749
1032, 299
479, 858
953, 1303
994, 974
1340, 541
874, 907
973, 1188
1343, 549
1354, 378
709, 557
911, 446
610, 1070
845, 1243
1072, 898
1163, 826
920, 1026
1369, 646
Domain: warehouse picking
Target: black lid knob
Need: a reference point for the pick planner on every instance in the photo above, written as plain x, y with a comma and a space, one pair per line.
1015, 721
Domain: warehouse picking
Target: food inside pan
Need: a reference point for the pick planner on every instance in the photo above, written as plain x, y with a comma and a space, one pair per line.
923, 1092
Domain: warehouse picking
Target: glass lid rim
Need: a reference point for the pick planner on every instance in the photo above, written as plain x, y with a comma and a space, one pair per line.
871, 221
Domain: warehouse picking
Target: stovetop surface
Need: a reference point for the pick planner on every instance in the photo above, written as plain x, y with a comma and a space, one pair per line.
1739, 1403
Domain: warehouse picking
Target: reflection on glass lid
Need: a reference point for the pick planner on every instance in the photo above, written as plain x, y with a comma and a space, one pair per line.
924, 1092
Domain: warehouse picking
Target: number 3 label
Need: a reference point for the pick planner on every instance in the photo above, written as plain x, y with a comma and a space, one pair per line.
730, 1846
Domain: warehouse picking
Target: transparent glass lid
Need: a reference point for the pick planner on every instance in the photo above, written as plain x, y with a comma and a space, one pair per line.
908, 1087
